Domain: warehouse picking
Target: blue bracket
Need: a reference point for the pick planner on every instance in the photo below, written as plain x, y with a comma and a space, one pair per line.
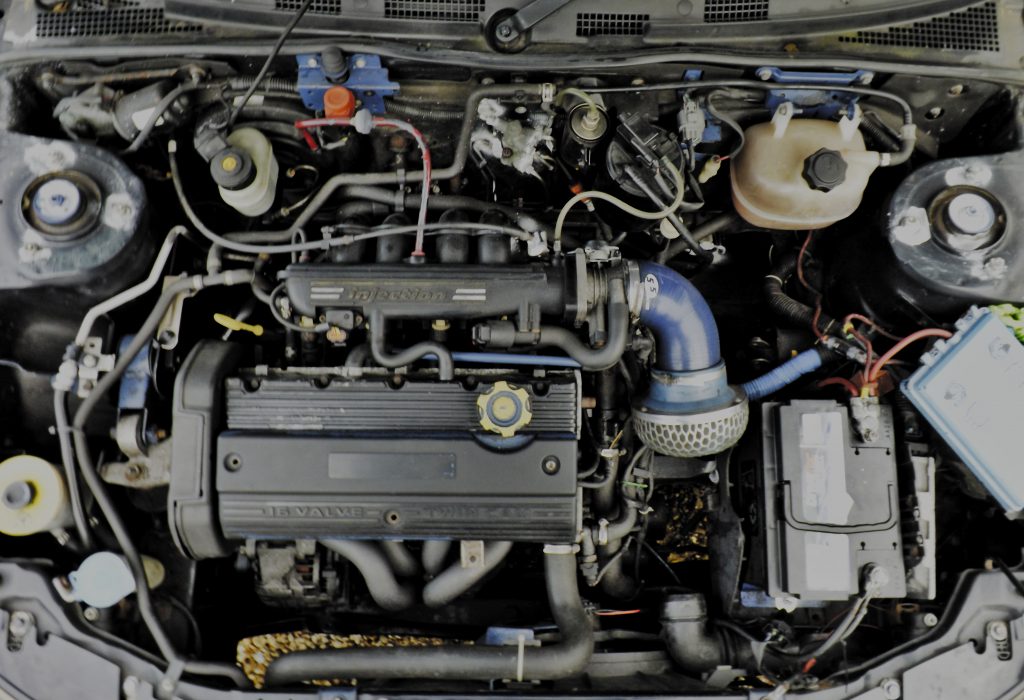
367, 79
826, 104
131, 395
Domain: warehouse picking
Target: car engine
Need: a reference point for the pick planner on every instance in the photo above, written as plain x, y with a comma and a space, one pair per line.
343, 368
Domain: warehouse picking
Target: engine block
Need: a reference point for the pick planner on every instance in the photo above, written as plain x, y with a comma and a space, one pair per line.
307, 455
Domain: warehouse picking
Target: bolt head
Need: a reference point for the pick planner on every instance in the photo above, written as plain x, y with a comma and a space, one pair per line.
20, 622
551, 465
891, 689
764, 73
930, 619
999, 631
995, 268
971, 214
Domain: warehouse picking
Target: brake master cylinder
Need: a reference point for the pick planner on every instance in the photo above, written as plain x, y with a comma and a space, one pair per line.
246, 172
796, 174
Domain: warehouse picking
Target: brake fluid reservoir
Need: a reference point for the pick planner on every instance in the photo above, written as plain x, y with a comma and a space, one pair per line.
801, 173
246, 173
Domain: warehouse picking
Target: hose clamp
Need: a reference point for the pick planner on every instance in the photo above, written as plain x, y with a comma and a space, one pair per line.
563, 549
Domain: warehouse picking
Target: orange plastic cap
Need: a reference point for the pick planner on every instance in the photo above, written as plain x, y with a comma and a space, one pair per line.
339, 103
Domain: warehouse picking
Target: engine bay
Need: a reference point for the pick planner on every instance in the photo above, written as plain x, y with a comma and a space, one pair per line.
342, 369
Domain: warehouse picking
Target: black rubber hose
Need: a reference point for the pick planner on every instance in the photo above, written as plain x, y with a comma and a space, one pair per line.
416, 111
785, 306
565, 659
378, 349
99, 490
707, 229
243, 82
595, 359
684, 233
873, 127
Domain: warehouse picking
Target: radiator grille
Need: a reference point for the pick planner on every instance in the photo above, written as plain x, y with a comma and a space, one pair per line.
110, 22
439, 10
735, 10
611, 24
319, 7
973, 29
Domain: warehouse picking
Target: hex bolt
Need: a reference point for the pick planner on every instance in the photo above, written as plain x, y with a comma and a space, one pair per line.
998, 631
930, 619
130, 687
91, 614
995, 267
764, 73
551, 465
891, 689
20, 623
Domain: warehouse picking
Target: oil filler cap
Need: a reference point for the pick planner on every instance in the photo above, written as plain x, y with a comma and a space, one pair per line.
825, 169
504, 409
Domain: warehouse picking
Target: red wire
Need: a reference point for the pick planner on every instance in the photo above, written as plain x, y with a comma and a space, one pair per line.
898, 347
617, 613
817, 320
864, 319
800, 264
868, 349
840, 381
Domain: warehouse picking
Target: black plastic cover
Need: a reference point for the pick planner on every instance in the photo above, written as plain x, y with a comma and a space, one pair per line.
198, 410
427, 291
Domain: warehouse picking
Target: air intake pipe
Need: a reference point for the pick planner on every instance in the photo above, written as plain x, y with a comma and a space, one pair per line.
690, 409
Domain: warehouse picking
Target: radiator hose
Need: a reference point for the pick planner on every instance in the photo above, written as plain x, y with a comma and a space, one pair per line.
564, 659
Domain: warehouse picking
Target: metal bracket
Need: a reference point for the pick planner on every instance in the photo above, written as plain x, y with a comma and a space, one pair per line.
472, 554
92, 364
813, 103
169, 330
146, 471
367, 79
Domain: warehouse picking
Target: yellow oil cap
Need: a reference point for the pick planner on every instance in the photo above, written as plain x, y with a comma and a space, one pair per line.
33, 497
504, 409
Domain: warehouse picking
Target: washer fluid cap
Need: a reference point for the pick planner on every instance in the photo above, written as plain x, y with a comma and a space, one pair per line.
102, 581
